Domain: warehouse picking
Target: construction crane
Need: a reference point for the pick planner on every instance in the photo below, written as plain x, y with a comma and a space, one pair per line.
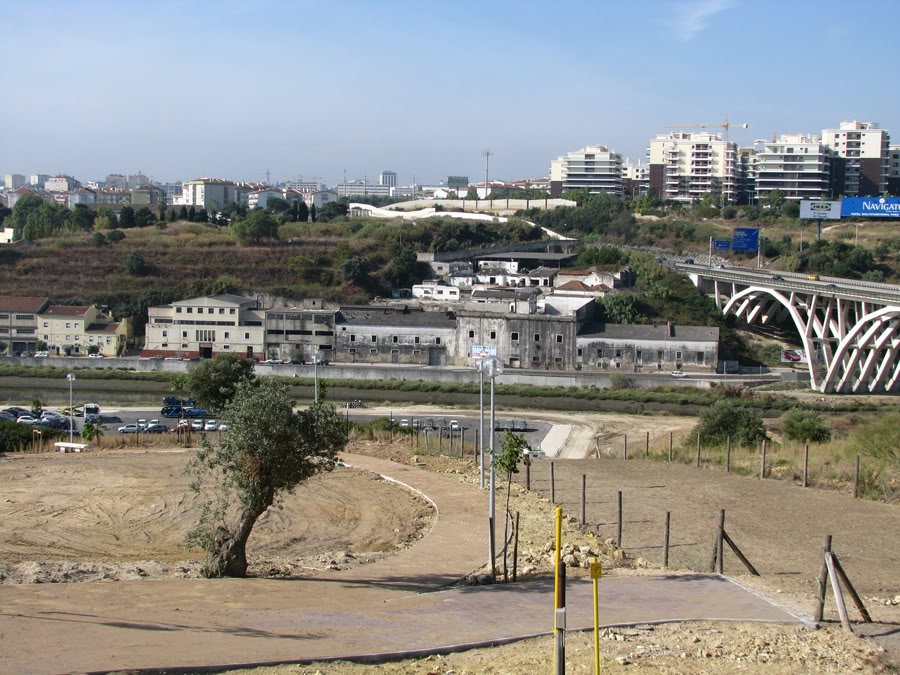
726, 125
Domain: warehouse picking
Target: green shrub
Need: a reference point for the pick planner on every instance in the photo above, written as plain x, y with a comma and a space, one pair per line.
728, 417
805, 426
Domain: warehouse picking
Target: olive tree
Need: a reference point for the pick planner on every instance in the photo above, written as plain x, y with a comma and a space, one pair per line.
214, 381
267, 450
514, 448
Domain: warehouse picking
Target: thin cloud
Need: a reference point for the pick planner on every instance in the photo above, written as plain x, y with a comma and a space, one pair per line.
692, 18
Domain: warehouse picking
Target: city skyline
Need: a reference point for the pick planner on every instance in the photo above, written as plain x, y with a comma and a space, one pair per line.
296, 90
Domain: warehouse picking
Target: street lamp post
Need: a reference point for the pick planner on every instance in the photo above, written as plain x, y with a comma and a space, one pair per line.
481, 424
315, 379
71, 378
493, 368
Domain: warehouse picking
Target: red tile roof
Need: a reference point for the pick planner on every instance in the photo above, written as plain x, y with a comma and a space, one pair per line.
102, 327
15, 303
67, 310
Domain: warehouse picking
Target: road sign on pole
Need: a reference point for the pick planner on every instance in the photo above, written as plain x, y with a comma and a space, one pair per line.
745, 239
721, 244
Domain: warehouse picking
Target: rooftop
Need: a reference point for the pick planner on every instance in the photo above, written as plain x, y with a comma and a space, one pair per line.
622, 331
66, 310
13, 303
378, 316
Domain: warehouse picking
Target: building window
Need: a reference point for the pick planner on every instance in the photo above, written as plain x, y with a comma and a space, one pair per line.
678, 355
537, 337
579, 352
46, 324
246, 336
374, 338
165, 333
225, 347
493, 335
618, 365
199, 310
437, 340
190, 310
558, 338
184, 334
231, 311
373, 351
639, 355
394, 339
471, 333
700, 358
227, 335
535, 359
514, 337
352, 337
417, 352
660, 355
68, 325
618, 353
416, 339
221, 310
178, 310
352, 350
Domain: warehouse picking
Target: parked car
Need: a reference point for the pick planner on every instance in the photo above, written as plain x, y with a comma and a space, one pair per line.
211, 425
197, 425
454, 424
777, 277
222, 427
195, 412
28, 419
98, 355
130, 429
156, 428
41, 355
92, 418
678, 373
404, 423
688, 261
273, 362
16, 411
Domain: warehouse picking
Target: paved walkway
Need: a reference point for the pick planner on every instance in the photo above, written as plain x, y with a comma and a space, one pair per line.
373, 609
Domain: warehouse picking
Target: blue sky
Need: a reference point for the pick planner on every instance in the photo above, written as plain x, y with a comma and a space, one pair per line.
232, 89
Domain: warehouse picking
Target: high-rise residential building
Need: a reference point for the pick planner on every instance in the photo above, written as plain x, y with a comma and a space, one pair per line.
864, 148
800, 166
894, 170
388, 178
362, 188
38, 179
594, 168
686, 166
116, 181
137, 180
13, 181
635, 178
745, 176
61, 184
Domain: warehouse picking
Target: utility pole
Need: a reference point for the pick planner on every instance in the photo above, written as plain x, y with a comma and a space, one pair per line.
486, 153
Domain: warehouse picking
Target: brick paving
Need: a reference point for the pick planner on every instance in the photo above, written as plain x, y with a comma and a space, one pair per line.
373, 609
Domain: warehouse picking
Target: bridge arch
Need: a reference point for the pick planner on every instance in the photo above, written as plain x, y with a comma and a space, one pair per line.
866, 358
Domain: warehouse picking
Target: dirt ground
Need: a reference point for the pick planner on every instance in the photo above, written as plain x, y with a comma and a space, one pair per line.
124, 515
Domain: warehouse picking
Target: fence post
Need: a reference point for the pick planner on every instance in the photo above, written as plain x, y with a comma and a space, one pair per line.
625, 439
583, 498
528, 475
720, 536
666, 540
728, 456
762, 463
619, 521
698, 451
670, 446
552, 482
647, 445
806, 466
856, 479
822, 582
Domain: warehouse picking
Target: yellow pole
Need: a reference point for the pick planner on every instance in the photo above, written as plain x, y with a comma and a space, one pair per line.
558, 514
596, 573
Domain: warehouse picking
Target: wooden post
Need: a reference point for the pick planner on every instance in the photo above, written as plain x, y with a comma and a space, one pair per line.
670, 446
806, 466
619, 522
853, 594
856, 479
838, 594
666, 540
516, 550
440, 440
728, 455
625, 446
720, 537
739, 554
698, 451
392, 426
528, 475
583, 498
552, 482
647, 445
762, 463
822, 582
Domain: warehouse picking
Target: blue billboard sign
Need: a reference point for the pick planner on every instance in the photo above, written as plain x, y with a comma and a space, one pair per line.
745, 239
870, 207
721, 244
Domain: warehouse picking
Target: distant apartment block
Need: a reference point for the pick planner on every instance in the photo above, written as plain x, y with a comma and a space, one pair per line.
259, 199
800, 166
76, 328
594, 168
635, 179
150, 196
116, 181
61, 184
686, 166
388, 178
745, 176
14, 181
894, 170
362, 188
37, 180
864, 148
211, 194
304, 186
18, 322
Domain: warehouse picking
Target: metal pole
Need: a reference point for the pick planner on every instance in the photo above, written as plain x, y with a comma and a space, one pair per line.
315, 379
491, 497
481, 428
71, 378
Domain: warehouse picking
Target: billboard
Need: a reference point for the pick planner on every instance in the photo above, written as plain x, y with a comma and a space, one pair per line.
793, 356
482, 351
745, 239
815, 210
721, 244
871, 207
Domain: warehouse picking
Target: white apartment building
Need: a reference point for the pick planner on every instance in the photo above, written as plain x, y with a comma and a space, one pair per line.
635, 178
208, 193
686, 166
864, 148
75, 329
388, 178
259, 199
13, 181
61, 184
894, 170
207, 326
38, 179
362, 188
594, 168
799, 165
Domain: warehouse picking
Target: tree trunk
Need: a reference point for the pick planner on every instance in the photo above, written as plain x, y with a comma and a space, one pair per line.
506, 526
229, 559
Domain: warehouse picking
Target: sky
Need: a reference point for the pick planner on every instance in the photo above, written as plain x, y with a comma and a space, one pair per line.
227, 88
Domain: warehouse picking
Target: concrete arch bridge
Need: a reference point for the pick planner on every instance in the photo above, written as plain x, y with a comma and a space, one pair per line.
850, 330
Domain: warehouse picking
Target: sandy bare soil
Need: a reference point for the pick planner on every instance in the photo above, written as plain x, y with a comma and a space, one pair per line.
125, 514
